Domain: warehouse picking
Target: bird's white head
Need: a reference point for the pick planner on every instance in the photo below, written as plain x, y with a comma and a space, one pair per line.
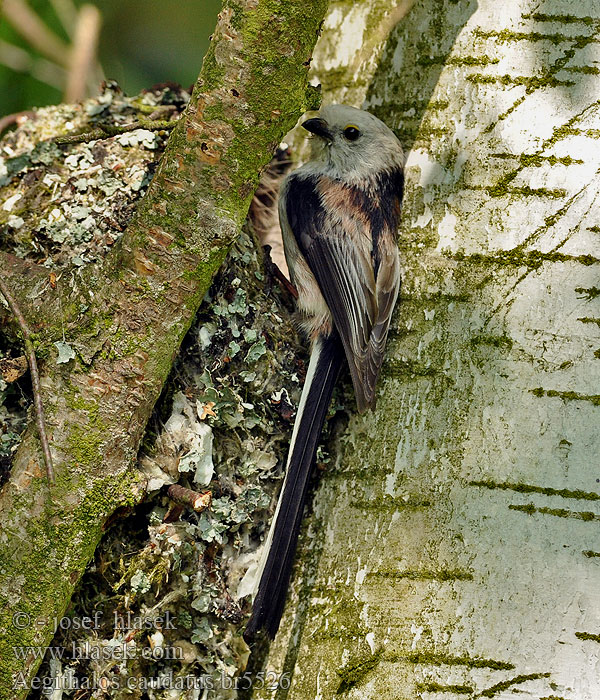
352, 144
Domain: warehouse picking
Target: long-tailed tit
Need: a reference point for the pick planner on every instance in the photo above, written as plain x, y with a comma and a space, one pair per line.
339, 215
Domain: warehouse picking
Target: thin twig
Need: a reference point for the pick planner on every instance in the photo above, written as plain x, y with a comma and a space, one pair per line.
187, 497
19, 60
83, 53
105, 131
162, 111
14, 118
29, 25
35, 378
66, 12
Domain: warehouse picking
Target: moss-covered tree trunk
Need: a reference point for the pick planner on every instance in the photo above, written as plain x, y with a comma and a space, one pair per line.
125, 318
454, 547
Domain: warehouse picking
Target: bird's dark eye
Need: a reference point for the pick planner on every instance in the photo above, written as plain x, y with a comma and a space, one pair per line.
351, 133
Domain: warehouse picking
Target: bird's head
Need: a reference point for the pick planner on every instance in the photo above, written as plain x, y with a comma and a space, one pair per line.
352, 143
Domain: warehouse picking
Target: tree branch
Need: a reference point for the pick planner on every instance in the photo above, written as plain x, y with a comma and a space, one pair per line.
83, 54
66, 12
143, 298
19, 60
28, 24
187, 497
105, 131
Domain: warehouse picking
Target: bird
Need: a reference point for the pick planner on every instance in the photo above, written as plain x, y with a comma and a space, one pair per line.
339, 214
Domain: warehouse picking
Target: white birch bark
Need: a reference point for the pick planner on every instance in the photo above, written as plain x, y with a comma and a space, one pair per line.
454, 547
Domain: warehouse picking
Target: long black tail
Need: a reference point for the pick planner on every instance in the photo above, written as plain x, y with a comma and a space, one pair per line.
326, 360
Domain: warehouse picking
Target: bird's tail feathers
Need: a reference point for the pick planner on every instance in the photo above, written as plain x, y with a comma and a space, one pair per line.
275, 569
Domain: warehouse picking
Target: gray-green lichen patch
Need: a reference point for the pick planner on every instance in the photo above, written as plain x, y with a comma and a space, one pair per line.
69, 203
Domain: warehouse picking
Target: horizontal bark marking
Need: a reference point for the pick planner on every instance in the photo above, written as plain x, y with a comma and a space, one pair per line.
420, 298
501, 189
401, 368
590, 554
497, 341
355, 670
504, 685
563, 19
585, 70
519, 258
432, 659
389, 503
536, 160
358, 472
594, 399
506, 36
456, 61
546, 490
530, 81
588, 292
530, 509
433, 687
424, 575
587, 636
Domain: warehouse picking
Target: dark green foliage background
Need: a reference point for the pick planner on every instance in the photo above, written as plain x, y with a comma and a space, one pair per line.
142, 42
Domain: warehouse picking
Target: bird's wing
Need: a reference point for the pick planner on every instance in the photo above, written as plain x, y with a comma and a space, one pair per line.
347, 236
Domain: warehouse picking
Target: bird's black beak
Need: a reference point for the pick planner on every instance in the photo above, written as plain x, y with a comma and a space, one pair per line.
319, 128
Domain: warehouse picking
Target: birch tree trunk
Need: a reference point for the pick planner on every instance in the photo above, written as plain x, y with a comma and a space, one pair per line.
454, 548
